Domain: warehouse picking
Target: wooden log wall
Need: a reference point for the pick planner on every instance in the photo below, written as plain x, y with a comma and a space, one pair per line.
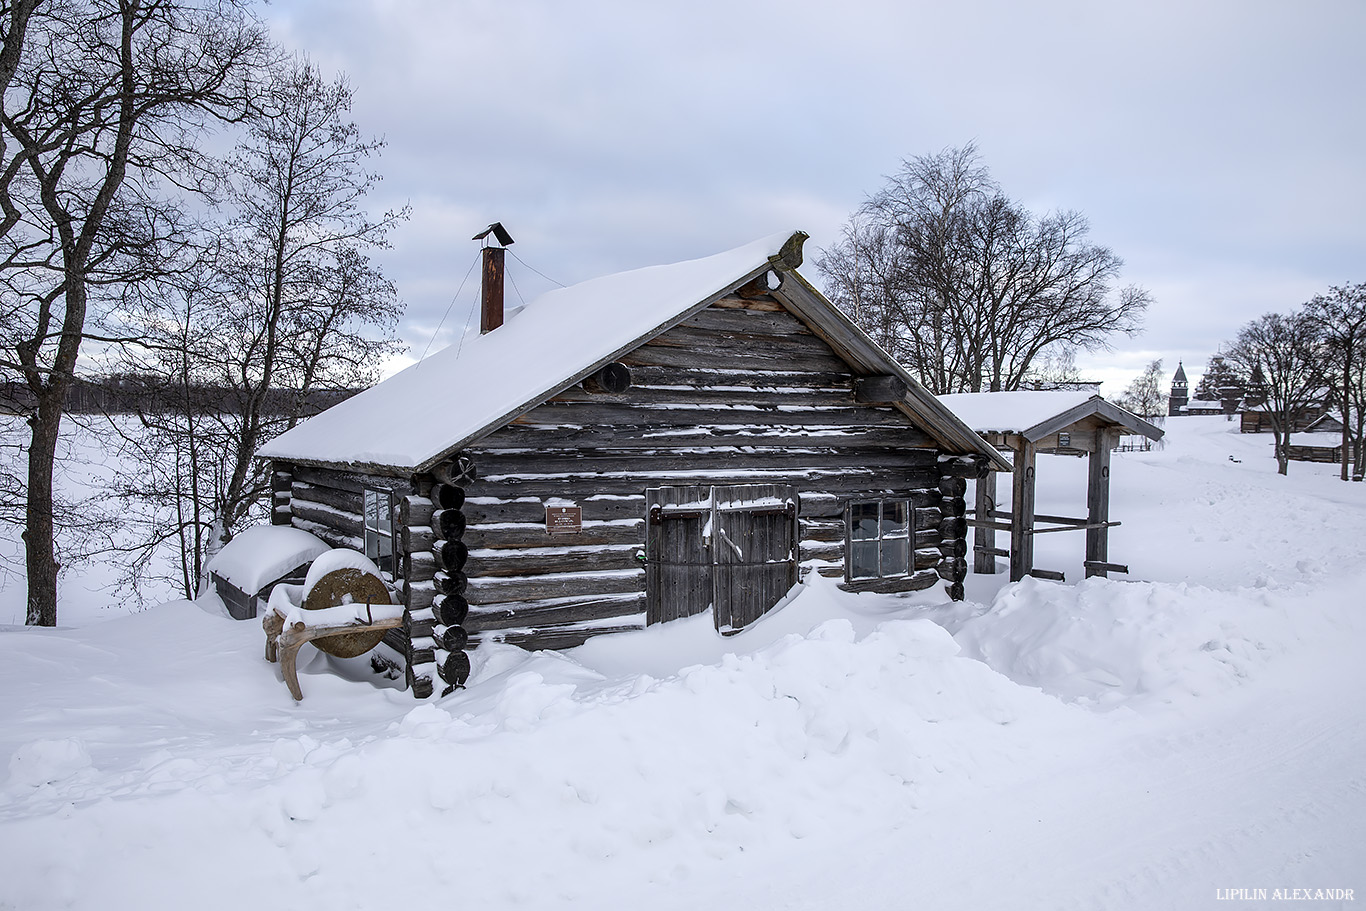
740, 393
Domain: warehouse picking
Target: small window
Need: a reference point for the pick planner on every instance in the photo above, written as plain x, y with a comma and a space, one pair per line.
379, 530
879, 539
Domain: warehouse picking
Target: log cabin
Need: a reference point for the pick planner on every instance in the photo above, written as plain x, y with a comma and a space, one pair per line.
634, 449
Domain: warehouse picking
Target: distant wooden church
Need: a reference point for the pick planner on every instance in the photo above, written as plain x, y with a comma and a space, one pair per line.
633, 449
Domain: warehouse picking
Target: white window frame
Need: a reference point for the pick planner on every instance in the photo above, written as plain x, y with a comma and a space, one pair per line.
850, 541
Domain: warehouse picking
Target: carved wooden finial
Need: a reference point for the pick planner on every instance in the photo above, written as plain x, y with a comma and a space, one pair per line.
790, 256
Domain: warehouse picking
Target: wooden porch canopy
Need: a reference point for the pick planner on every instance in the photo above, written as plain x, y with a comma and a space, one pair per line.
1029, 422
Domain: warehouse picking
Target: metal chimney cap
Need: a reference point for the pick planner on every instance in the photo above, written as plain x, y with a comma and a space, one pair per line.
499, 233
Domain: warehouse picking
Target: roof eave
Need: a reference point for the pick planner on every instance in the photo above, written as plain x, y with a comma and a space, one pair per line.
1095, 405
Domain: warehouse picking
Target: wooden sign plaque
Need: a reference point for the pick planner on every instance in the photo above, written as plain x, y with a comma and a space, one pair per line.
563, 520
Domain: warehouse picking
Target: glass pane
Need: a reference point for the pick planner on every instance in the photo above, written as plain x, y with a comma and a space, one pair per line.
371, 510
371, 543
896, 516
863, 521
385, 513
896, 554
863, 560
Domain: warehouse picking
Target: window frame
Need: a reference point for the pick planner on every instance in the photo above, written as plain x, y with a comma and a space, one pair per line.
373, 533
850, 540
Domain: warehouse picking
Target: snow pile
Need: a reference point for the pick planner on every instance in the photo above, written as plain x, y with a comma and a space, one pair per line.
261, 554
333, 560
1103, 643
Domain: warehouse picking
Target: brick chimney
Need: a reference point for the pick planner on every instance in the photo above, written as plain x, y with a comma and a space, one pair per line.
491, 299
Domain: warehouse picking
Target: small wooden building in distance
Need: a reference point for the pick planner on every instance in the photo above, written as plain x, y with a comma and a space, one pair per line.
1026, 423
634, 449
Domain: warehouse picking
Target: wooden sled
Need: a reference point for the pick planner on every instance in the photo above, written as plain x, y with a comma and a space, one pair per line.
284, 638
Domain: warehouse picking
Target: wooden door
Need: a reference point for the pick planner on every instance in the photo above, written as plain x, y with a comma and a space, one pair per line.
754, 551
733, 548
677, 559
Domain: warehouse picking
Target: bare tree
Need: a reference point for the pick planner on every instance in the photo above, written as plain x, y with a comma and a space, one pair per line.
1282, 348
969, 288
1340, 317
286, 314
1145, 398
105, 100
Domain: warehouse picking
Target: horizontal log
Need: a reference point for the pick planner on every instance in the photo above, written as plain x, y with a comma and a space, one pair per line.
528, 535
562, 637
692, 460
280, 515
731, 359
863, 483
484, 591
927, 557
820, 550
928, 516
753, 322
657, 397
328, 534
280, 481
352, 480
532, 509
419, 684
536, 561
880, 390
954, 506
415, 510
345, 500
772, 378
1101, 565
968, 467
740, 303
419, 595
954, 547
1050, 574
747, 431
341, 523
668, 415
554, 611
421, 654
916, 581
956, 591
415, 539
748, 343
420, 566
417, 629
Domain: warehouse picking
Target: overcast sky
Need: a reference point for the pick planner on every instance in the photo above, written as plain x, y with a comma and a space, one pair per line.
1216, 145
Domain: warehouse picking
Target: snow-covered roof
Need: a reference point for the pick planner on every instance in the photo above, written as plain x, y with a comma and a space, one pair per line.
1036, 414
425, 413
417, 416
1203, 405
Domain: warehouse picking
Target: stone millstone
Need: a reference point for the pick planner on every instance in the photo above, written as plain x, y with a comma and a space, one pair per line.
332, 590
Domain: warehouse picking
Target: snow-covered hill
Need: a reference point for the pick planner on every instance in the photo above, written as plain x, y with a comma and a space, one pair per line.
1150, 742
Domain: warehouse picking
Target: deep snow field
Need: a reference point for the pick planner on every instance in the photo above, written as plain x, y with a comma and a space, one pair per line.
1161, 740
